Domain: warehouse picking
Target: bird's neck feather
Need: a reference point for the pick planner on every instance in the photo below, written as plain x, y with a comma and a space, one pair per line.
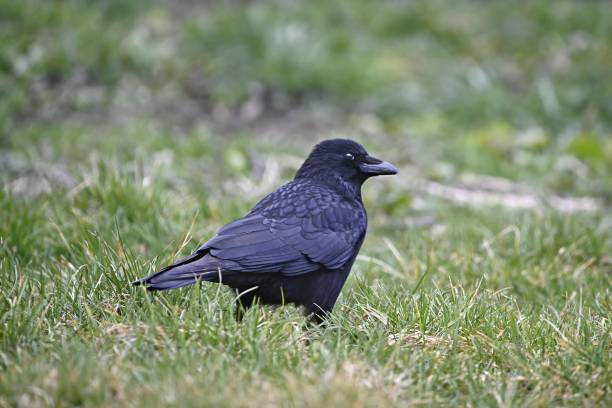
349, 189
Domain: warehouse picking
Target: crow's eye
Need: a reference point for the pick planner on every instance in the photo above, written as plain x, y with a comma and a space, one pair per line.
349, 156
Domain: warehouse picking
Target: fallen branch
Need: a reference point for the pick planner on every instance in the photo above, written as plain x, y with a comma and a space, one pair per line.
522, 200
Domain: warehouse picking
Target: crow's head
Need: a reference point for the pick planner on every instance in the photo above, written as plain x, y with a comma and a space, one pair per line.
343, 159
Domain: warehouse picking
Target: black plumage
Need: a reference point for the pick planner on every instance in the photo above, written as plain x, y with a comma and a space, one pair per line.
298, 244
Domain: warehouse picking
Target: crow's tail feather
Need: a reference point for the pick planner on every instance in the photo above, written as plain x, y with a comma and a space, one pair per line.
165, 285
185, 272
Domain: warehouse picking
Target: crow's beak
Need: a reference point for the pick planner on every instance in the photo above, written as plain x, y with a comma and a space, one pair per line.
376, 167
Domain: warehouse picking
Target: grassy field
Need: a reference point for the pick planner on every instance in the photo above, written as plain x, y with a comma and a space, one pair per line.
131, 131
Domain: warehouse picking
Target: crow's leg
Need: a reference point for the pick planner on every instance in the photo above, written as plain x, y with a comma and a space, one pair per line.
316, 314
243, 302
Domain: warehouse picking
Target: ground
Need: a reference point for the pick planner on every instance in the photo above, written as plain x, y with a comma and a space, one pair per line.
131, 131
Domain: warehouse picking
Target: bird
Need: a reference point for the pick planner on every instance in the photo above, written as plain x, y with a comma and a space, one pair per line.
297, 245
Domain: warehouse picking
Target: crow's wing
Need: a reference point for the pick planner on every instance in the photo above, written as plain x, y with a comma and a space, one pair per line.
291, 235
297, 229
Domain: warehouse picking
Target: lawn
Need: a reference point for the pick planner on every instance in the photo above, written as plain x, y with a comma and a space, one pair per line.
131, 131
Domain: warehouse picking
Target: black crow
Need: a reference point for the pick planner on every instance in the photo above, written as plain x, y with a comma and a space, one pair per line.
298, 244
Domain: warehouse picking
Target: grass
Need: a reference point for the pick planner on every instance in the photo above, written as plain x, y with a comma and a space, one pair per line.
525, 322
141, 129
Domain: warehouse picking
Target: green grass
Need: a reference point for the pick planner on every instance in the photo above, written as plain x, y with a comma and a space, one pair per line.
525, 322
124, 144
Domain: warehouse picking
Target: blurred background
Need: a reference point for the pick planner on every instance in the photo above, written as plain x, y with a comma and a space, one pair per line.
451, 91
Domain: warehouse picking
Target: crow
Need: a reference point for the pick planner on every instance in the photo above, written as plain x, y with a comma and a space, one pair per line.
298, 244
